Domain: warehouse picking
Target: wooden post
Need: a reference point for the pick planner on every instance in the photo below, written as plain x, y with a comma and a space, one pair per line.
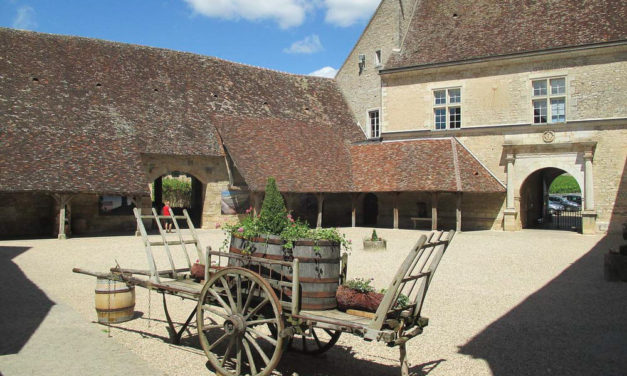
458, 212
320, 198
354, 199
395, 204
434, 211
255, 201
158, 188
404, 363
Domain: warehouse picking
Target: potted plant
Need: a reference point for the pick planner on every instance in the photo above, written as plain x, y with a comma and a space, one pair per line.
274, 234
374, 242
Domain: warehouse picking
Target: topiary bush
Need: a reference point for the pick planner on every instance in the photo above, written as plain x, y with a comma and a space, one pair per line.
273, 216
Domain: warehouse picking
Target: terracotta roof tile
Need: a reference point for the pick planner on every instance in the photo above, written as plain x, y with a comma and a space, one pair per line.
453, 30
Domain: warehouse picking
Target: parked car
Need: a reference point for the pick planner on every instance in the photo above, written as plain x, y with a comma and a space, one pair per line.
566, 204
555, 207
574, 198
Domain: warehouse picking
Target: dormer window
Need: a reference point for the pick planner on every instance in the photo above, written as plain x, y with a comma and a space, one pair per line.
373, 121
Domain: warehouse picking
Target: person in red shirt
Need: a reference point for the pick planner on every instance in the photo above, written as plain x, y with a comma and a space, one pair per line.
167, 224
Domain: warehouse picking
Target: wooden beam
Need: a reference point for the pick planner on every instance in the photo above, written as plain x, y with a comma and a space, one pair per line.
434, 211
62, 201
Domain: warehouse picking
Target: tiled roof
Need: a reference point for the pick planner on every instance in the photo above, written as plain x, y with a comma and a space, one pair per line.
442, 165
454, 30
301, 156
76, 113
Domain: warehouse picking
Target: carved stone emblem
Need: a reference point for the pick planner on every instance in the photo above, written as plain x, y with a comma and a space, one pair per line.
548, 136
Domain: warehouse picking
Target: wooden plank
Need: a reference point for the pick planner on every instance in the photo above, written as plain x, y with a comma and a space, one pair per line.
355, 312
181, 241
296, 287
165, 242
192, 230
154, 276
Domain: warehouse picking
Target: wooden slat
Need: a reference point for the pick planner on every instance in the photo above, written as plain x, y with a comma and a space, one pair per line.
165, 241
174, 242
413, 277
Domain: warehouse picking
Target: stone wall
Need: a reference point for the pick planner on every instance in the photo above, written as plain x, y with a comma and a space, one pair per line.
500, 93
384, 32
26, 214
210, 171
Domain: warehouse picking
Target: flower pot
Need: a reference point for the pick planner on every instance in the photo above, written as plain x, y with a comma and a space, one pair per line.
348, 298
319, 266
375, 245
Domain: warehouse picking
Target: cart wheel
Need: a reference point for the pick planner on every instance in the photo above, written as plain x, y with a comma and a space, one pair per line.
233, 307
320, 341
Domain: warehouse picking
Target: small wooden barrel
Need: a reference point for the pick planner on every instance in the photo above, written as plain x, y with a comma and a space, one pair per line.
115, 301
319, 266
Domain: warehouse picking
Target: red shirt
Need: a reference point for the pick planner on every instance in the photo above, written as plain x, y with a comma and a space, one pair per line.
166, 210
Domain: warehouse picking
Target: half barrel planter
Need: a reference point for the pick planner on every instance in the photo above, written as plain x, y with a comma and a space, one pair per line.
319, 266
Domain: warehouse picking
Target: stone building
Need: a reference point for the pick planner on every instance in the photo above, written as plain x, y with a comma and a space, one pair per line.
533, 89
87, 125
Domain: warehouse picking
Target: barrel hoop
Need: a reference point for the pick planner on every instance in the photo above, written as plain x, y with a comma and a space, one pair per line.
313, 294
262, 240
107, 292
306, 260
315, 280
309, 243
116, 309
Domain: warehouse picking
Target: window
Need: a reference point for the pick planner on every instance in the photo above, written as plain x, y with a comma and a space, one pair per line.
447, 110
549, 94
377, 58
373, 120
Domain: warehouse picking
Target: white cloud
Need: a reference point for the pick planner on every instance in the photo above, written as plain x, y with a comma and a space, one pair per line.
346, 12
311, 44
328, 72
287, 13
25, 18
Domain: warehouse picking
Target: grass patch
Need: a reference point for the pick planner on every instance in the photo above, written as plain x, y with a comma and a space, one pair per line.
564, 184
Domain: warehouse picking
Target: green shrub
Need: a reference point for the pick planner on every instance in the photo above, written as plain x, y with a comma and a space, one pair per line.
178, 192
374, 236
564, 184
360, 284
273, 216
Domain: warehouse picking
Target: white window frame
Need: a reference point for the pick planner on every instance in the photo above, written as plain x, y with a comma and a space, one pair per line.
447, 106
547, 98
377, 58
369, 125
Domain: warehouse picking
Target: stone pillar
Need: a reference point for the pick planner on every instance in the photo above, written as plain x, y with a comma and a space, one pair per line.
395, 204
588, 215
434, 211
320, 198
458, 212
158, 188
509, 216
62, 202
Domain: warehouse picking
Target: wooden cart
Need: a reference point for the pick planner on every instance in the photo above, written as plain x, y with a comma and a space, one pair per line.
246, 317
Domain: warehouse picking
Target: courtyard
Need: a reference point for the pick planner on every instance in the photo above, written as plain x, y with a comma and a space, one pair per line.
532, 302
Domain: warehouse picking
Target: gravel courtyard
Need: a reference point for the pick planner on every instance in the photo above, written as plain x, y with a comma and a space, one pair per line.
523, 303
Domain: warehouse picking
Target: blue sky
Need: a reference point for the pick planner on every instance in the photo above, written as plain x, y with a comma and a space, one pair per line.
297, 36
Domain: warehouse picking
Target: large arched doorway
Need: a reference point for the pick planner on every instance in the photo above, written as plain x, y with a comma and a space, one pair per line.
183, 191
547, 205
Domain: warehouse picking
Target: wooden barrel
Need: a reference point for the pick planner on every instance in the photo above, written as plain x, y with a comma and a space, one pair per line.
115, 301
319, 266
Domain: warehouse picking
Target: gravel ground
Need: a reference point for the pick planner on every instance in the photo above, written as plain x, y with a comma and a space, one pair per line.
524, 303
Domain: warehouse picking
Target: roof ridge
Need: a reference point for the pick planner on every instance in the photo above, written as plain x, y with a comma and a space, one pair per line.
164, 49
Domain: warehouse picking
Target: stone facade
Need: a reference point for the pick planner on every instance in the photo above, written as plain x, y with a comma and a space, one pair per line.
497, 117
362, 87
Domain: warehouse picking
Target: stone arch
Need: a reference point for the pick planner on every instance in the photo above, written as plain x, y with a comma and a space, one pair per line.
195, 204
534, 195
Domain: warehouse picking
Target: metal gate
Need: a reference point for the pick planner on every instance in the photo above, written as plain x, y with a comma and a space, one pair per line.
564, 220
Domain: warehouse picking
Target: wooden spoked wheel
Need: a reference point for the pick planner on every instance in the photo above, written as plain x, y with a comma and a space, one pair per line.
321, 340
234, 309
315, 341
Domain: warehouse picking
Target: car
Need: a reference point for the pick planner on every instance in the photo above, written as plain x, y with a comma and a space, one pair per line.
574, 198
555, 207
566, 204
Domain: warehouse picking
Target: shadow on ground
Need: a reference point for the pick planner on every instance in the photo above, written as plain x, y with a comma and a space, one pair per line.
24, 306
575, 325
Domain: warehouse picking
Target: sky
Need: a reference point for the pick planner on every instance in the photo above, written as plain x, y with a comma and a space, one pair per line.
296, 36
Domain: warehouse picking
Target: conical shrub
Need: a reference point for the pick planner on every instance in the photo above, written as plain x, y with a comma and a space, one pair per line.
273, 216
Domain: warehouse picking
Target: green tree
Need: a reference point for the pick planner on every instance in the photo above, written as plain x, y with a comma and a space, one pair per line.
273, 216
